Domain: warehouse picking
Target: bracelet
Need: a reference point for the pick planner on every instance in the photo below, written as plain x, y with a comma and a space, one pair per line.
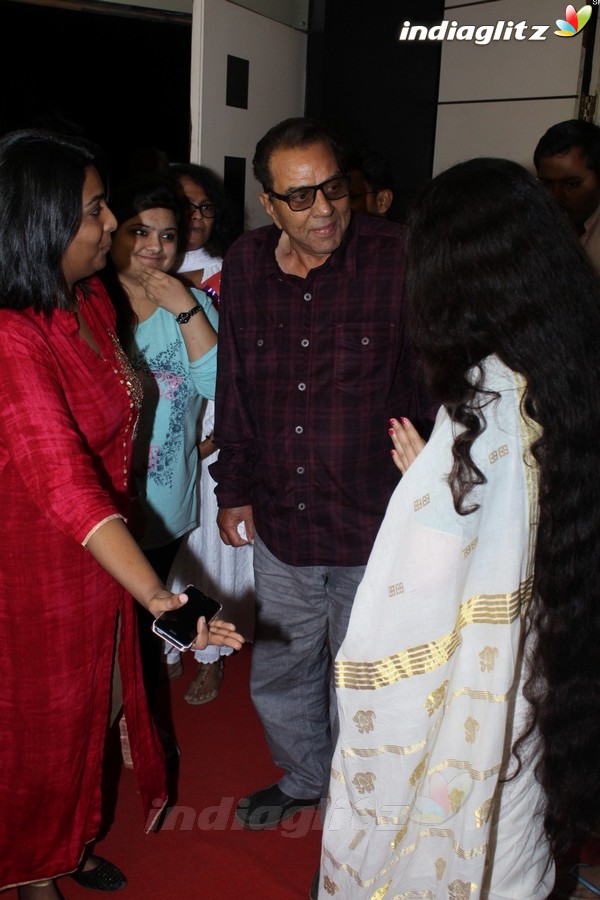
184, 317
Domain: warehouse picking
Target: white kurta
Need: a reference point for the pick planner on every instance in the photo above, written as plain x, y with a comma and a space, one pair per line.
428, 685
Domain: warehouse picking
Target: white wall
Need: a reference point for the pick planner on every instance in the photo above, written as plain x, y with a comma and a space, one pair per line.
277, 71
498, 99
290, 12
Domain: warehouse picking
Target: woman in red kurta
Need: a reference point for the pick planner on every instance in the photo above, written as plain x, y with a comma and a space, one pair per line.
68, 413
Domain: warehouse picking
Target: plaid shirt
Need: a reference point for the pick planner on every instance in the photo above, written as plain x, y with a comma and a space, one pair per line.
309, 372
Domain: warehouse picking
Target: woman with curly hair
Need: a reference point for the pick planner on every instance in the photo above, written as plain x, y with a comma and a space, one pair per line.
467, 689
214, 222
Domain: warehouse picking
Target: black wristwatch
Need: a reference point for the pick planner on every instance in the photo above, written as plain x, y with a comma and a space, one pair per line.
184, 317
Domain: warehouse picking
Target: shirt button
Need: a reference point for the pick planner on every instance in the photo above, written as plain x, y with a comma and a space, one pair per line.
304, 343
300, 470
301, 506
259, 342
301, 386
299, 429
365, 341
308, 297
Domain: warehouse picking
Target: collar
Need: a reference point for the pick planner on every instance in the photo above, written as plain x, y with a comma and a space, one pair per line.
589, 225
342, 259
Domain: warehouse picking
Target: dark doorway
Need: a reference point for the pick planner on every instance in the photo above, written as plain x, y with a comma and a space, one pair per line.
378, 93
119, 76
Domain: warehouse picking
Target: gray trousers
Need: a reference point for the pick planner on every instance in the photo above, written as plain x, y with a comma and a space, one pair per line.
302, 617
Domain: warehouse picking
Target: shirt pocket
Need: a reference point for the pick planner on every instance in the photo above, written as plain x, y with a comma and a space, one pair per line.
364, 357
261, 349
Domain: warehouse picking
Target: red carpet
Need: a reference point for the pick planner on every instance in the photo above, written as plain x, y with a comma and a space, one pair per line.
201, 851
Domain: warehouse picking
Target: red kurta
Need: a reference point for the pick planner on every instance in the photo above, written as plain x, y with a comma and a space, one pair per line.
66, 422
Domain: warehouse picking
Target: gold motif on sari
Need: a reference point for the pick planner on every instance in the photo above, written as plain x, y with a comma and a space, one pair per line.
440, 868
468, 550
330, 886
483, 813
436, 698
487, 659
471, 729
364, 782
495, 455
418, 772
363, 719
459, 890
422, 502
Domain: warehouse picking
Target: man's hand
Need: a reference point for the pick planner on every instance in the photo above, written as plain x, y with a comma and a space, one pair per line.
228, 521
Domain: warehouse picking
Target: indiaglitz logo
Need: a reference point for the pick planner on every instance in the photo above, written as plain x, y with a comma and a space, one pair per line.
501, 31
575, 21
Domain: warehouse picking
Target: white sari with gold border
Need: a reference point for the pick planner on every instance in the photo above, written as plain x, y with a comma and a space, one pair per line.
428, 685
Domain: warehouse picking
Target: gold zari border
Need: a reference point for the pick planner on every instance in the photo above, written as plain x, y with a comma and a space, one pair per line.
499, 609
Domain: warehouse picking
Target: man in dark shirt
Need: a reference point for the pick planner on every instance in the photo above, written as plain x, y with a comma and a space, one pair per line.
313, 361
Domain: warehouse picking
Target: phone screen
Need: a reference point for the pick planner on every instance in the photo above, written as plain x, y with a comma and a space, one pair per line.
179, 626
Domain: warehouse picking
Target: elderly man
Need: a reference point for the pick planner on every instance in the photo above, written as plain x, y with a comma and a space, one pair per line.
567, 161
313, 361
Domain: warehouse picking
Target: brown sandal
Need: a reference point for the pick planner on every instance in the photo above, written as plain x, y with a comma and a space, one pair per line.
206, 683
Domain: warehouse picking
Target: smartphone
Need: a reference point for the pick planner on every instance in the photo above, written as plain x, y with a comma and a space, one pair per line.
178, 627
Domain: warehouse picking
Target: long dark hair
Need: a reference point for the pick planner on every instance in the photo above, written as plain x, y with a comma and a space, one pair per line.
135, 195
229, 218
494, 267
42, 174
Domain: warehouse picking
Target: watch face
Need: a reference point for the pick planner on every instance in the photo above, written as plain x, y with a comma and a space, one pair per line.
184, 317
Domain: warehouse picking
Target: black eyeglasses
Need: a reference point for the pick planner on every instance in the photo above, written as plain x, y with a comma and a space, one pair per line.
303, 198
207, 210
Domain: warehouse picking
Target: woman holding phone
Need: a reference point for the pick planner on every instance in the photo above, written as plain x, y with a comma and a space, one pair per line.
69, 565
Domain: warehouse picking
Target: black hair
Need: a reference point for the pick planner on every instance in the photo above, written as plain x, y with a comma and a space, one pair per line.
291, 133
494, 268
42, 174
135, 195
376, 170
147, 191
229, 217
562, 137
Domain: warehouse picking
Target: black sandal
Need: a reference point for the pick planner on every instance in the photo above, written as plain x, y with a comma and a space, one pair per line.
103, 877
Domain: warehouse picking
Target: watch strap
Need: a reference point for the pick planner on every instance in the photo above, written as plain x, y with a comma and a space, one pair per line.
184, 317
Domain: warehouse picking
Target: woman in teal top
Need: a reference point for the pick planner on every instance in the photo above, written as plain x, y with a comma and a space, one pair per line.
167, 332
